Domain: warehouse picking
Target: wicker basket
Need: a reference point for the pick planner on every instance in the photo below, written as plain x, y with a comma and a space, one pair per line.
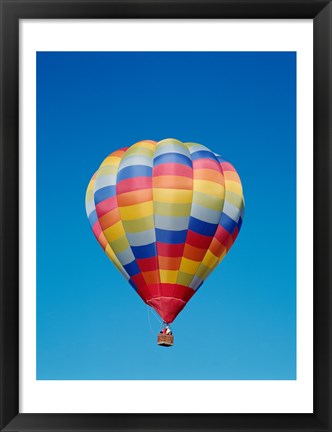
166, 340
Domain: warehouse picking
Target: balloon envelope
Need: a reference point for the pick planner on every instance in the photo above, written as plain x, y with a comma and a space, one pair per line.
166, 213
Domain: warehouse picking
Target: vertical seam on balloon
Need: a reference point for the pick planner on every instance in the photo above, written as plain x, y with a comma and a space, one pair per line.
154, 224
221, 211
135, 259
125, 234
191, 206
176, 282
93, 180
117, 203
241, 209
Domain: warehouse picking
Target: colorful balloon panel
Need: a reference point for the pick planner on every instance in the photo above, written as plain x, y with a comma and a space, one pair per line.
166, 213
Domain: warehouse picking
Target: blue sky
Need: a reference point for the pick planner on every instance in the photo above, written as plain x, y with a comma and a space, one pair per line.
242, 323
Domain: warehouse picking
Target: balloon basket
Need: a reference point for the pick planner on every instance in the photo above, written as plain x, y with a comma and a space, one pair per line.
165, 340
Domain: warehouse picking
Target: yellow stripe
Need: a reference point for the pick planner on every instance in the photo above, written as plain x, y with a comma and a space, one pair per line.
234, 199
208, 201
203, 272
111, 160
146, 144
189, 266
231, 176
172, 195
222, 256
174, 209
235, 187
139, 225
136, 211
91, 184
184, 278
190, 144
111, 255
210, 260
119, 245
208, 187
108, 169
114, 232
143, 151
168, 141
89, 195
168, 276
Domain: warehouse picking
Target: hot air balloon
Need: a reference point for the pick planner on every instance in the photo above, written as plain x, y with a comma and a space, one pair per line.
166, 213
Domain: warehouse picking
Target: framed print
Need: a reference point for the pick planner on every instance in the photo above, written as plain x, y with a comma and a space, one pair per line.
165, 215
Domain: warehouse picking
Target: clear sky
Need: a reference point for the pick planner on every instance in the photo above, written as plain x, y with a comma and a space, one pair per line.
242, 323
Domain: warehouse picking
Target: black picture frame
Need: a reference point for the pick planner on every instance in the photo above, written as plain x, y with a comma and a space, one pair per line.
14, 10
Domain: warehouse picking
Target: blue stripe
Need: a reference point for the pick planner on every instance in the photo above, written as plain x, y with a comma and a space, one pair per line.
131, 282
146, 251
171, 237
104, 193
202, 227
220, 159
239, 224
172, 158
227, 223
134, 171
202, 154
93, 218
132, 268
201, 283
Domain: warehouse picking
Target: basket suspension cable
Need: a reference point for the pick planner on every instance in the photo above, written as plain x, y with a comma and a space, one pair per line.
157, 317
163, 338
149, 320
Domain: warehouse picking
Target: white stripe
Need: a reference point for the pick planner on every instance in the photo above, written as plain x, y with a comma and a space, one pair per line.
171, 223
231, 211
126, 256
104, 181
205, 214
141, 238
135, 160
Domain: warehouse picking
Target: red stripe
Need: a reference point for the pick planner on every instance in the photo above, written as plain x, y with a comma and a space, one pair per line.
206, 163
96, 229
226, 166
147, 264
105, 206
222, 235
172, 169
229, 243
139, 281
170, 250
169, 299
198, 240
178, 291
132, 184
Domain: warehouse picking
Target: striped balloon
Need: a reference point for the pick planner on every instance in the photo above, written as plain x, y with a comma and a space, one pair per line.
166, 213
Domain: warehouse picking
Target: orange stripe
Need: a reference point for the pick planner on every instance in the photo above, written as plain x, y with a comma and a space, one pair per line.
194, 253
172, 182
169, 263
151, 277
109, 219
216, 247
134, 197
208, 174
232, 175
102, 241
117, 153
